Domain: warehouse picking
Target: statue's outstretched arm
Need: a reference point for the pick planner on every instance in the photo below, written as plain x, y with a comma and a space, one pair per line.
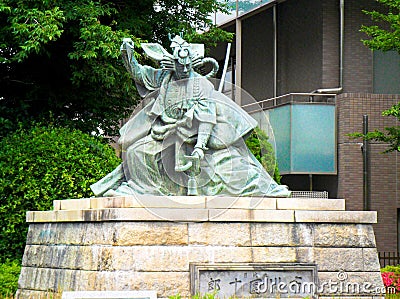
130, 62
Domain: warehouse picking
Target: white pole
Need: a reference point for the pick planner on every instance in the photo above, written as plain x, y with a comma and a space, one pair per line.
228, 51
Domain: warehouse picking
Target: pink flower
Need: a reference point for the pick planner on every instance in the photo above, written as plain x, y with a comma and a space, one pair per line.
388, 278
398, 284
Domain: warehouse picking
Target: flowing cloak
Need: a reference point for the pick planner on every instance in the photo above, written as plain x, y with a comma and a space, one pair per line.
231, 124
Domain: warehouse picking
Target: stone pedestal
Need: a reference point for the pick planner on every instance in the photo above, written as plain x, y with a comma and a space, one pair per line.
149, 243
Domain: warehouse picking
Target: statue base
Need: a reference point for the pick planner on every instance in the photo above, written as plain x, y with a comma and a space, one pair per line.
153, 243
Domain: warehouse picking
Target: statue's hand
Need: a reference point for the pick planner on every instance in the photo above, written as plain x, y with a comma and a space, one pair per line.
198, 152
162, 129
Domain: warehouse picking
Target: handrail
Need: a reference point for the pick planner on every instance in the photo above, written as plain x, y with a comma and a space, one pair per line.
276, 99
308, 94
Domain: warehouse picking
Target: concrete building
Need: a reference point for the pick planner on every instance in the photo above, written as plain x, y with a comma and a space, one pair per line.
304, 63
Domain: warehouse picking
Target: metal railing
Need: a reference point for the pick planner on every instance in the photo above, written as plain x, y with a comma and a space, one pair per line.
309, 194
296, 97
387, 258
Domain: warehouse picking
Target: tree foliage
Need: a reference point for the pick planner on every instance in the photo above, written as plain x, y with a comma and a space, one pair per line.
62, 57
40, 165
391, 135
385, 34
260, 147
9, 274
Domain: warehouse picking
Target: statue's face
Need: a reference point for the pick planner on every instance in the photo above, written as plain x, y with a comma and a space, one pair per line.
182, 71
182, 54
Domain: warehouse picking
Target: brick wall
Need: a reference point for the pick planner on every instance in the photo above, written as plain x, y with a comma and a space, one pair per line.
358, 68
299, 46
384, 168
330, 41
258, 55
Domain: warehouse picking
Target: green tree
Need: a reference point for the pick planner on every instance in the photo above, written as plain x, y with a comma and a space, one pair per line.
385, 35
40, 165
264, 152
9, 274
391, 135
62, 57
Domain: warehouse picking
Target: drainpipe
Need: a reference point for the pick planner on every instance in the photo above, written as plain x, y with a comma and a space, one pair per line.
275, 51
365, 153
340, 88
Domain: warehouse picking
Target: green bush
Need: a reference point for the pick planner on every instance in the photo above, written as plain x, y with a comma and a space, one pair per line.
40, 165
9, 273
259, 145
394, 269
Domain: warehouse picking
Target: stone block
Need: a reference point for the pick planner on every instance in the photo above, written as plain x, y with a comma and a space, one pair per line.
166, 283
150, 233
132, 202
123, 214
41, 256
87, 233
140, 248
98, 233
312, 204
76, 258
75, 204
305, 255
336, 216
336, 259
371, 260
71, 233
47, 279
214, 233
344, 235
252, 203
145, 258
220, 254
37, 294
27, 278
69, 215
146, 214
57, 205
93, 214
41, 233
44, 216
178, 202
30, 217
109, 294
97, 281
273, 215
244, 215
168, 258
106, 202
174, 214
274, 254
281, 234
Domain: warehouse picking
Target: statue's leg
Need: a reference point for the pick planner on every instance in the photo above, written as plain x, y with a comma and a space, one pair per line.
144, 167
109, 182
238, 173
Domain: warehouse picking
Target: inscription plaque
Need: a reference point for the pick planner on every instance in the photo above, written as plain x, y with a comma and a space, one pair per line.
254, 280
